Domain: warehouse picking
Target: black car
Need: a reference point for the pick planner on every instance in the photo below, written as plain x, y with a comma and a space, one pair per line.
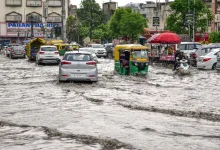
109, 50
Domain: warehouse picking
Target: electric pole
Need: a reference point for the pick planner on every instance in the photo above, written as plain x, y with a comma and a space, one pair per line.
194, 21
189, 22
63, 21
91, 21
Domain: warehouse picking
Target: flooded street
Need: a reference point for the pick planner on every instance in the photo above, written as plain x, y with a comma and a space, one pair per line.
161, 111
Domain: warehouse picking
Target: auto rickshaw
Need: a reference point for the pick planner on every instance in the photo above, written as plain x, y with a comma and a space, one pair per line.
131, 59
63, 48
54, 41
33, 46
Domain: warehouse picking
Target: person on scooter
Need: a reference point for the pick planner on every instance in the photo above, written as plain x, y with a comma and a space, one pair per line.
175, 63
181, 56
178, 56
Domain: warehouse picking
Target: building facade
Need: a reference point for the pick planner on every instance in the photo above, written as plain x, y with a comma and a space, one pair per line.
72, 10
150, 10
16, 17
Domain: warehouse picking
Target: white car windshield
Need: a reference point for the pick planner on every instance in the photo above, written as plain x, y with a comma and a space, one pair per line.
88, 50
98, 46
78, 57
212, 52
48, 49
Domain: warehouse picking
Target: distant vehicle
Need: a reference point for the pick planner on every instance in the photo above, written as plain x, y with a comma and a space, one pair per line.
110, 50
196, 53
48, 54
188, 47
78, 66
218, 62
99, 49
91, 50
7, 52
4, 50
208, 61
17, 52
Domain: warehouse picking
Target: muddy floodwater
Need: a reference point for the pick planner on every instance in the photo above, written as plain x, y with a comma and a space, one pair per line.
161, 111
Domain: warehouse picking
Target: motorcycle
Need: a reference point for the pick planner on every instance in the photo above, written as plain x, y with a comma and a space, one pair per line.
183, 68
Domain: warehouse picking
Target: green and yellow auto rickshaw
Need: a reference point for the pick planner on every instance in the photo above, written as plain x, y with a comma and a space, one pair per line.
62, 48
131, 59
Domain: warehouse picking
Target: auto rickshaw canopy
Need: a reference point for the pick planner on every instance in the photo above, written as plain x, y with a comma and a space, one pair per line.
127, 47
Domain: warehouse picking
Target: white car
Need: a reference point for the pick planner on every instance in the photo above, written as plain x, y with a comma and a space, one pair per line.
208, 61
99, 49
87, 49
47, 55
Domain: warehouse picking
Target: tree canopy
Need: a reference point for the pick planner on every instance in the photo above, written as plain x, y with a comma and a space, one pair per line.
214, 37
176, 21
72, 28
127, 23
90, 11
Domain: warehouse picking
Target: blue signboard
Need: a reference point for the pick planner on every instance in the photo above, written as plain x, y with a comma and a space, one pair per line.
35, 25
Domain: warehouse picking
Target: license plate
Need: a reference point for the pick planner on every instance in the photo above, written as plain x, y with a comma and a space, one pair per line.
77, 75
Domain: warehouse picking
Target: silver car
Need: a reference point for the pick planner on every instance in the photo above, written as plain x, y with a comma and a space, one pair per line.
17, 52
78, 66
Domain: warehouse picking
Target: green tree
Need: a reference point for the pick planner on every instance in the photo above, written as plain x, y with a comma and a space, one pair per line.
88, 12
115, 20
72, 28
124, 22
214, 37
176, 21
132, 24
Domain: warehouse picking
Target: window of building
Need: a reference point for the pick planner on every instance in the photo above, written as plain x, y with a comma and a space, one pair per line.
13, 3
34, 17
54, 3
33, 3
54, 17
13, 17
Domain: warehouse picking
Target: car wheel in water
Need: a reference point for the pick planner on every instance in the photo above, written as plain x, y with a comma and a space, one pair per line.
214, 66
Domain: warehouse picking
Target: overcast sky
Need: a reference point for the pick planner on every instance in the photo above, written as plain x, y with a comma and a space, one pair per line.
120, 2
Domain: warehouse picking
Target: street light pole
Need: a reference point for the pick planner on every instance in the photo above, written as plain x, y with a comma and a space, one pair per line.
194, 22
189, 22
32, 24
63, 21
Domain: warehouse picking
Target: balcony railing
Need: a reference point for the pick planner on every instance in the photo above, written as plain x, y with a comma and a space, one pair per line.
13, 18
13, 3
34, 3
54, 3
54, 19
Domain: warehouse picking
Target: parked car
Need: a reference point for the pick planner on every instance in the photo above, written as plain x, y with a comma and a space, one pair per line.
99, 49
188, 47
47, 55
78, 66
86, 49
208, 61
218, 62
17, 52
7, 52
196, 53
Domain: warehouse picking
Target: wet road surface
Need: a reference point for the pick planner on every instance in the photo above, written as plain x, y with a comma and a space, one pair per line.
161, 111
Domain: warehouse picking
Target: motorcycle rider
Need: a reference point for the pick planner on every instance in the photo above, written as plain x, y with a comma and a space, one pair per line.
178, 56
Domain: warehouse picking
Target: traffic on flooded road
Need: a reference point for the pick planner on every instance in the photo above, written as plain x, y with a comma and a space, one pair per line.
159, 111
